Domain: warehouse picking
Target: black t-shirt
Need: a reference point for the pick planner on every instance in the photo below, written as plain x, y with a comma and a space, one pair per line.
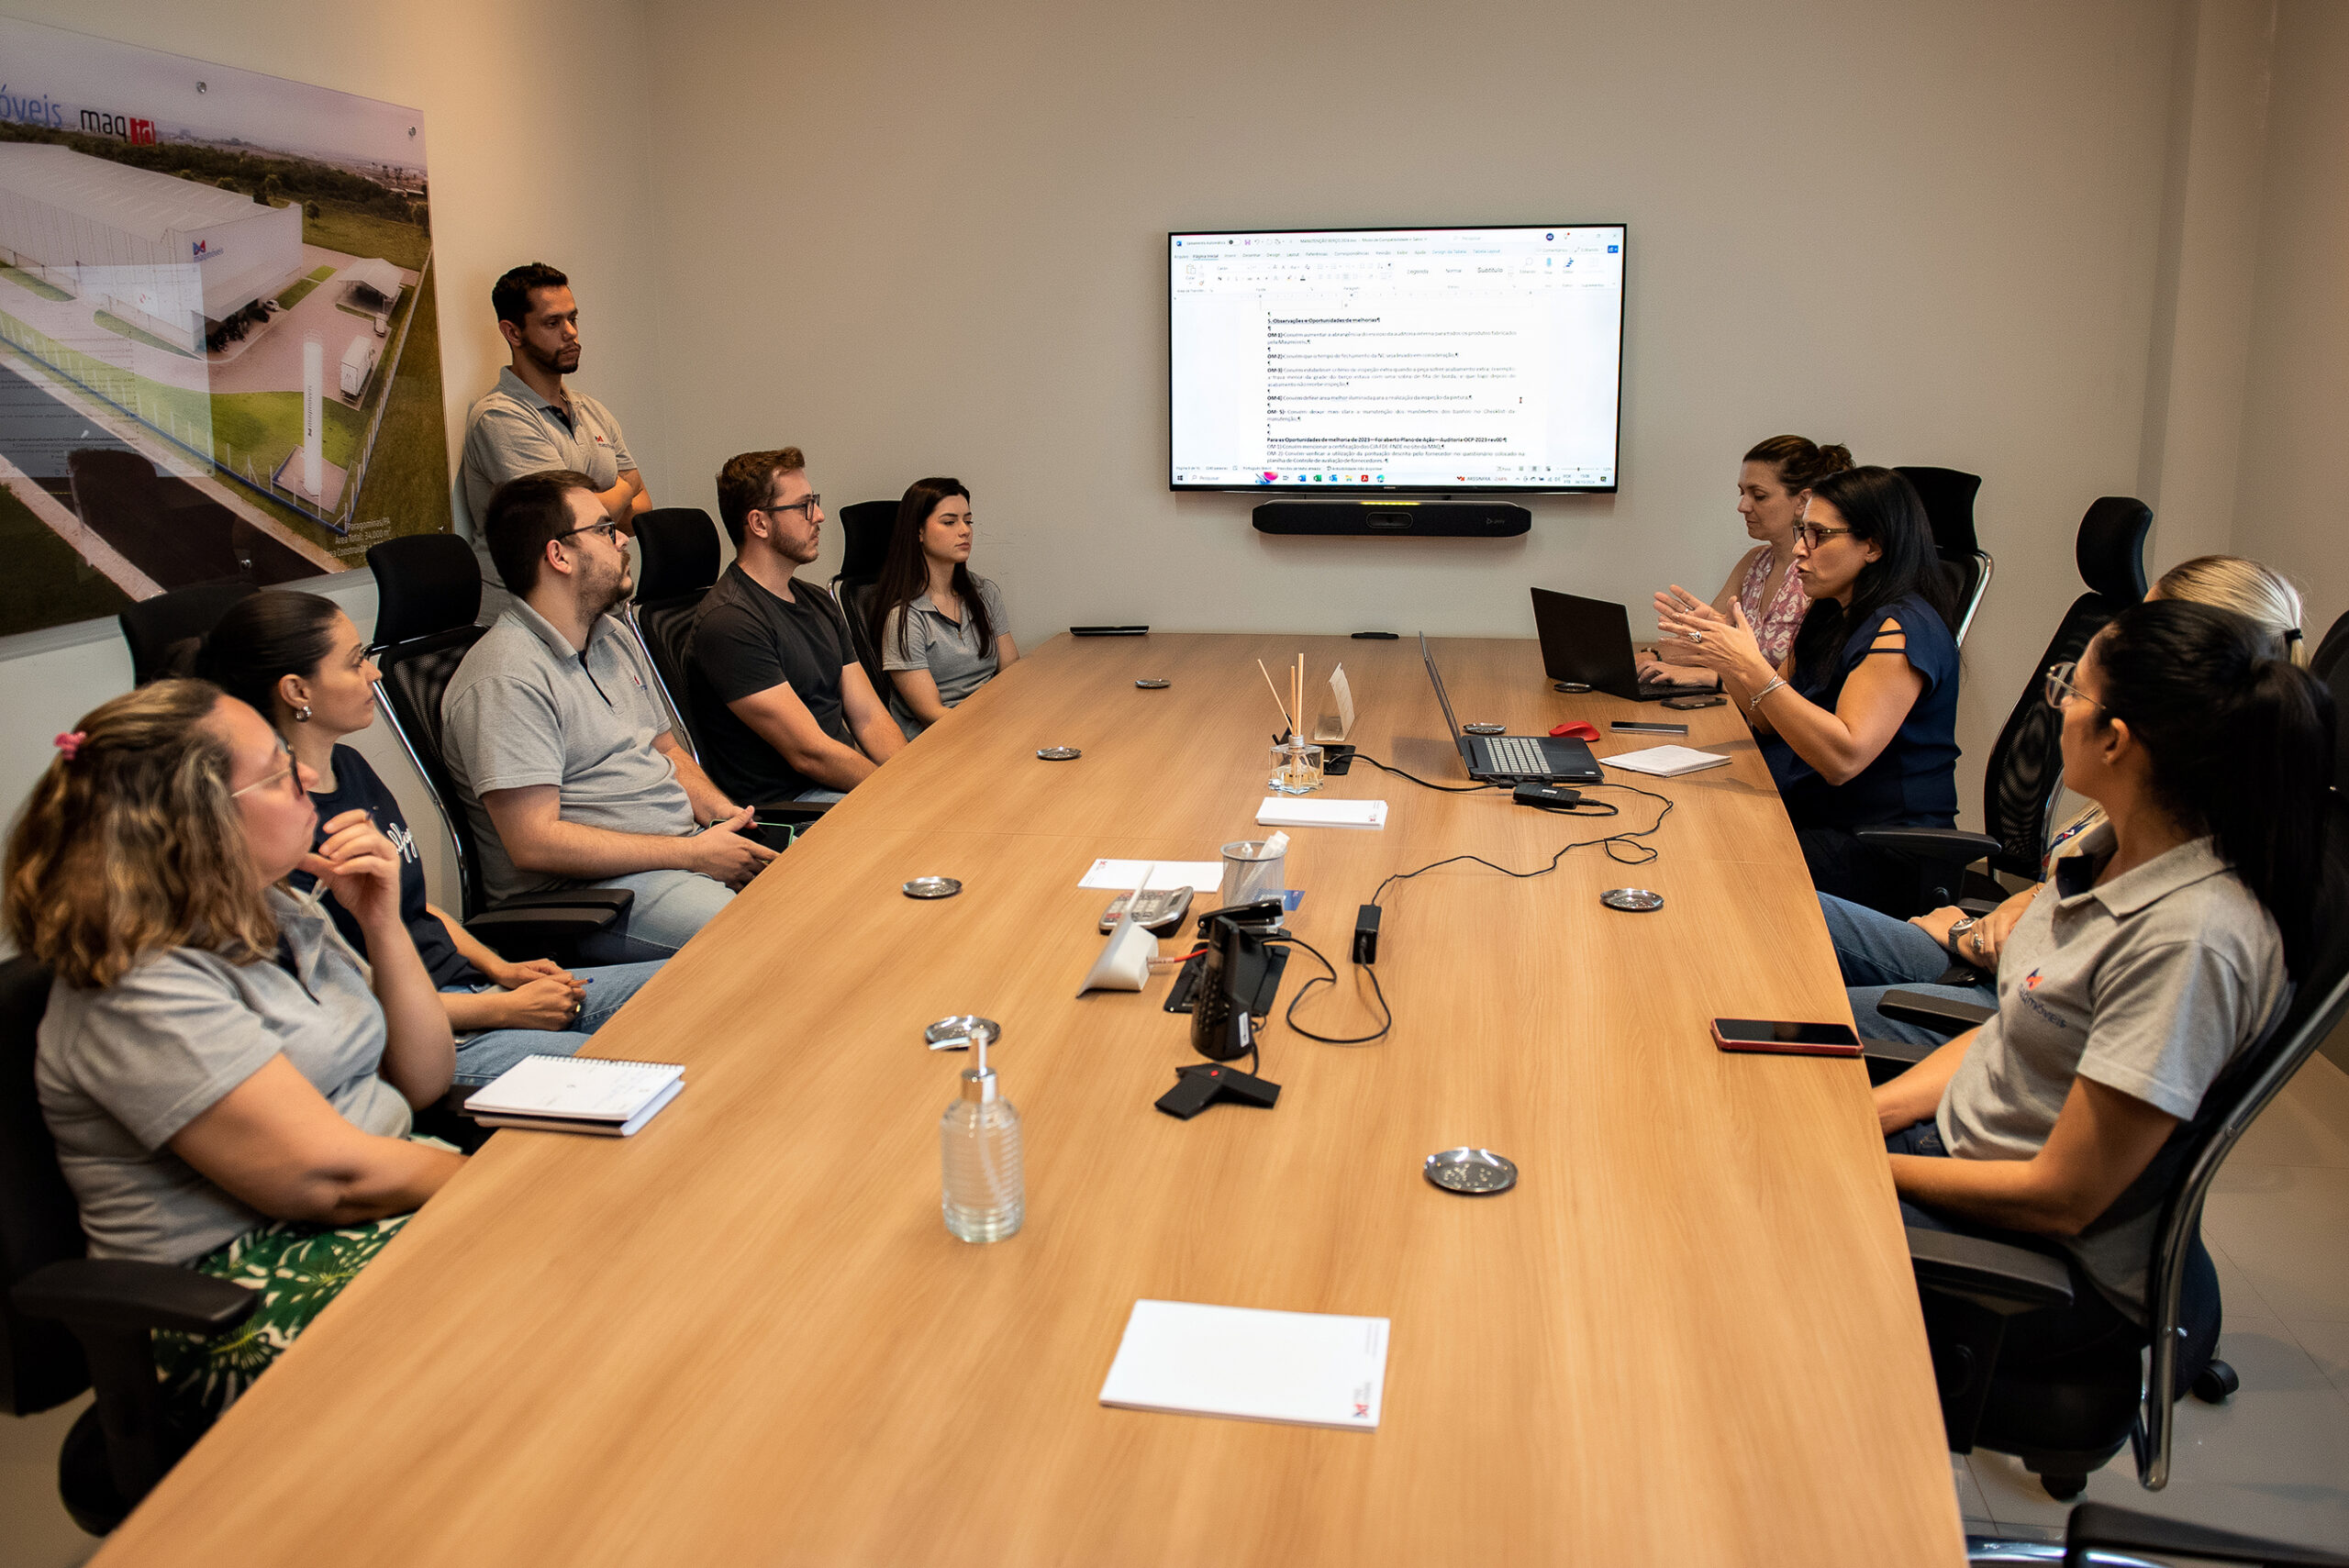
357, 787
746, 640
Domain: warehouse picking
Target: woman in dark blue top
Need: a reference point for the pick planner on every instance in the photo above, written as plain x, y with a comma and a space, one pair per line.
1859, 723
300, 661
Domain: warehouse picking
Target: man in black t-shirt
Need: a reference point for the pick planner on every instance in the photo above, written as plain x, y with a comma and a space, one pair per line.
784, 708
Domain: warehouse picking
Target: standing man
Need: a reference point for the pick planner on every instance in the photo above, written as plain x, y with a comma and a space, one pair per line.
783, 706
569, 771
530, 423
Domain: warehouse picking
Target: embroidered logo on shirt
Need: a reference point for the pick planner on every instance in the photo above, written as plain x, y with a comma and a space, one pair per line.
2031, 981
403, 840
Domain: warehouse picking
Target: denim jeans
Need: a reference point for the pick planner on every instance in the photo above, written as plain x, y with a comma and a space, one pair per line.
1879, 953
670, 907
482, 1056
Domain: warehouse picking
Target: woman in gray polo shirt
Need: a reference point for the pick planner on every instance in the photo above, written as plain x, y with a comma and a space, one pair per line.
2157, 954
229, 1083
941, 633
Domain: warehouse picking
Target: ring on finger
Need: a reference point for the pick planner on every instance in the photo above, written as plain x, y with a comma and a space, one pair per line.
1695, 636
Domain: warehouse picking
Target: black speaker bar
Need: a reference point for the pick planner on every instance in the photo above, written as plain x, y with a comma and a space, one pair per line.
1414, 520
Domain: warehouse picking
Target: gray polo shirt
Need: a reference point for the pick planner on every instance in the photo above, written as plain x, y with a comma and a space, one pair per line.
512, 431
121, 1070
948, 648
2149, 985
526, 709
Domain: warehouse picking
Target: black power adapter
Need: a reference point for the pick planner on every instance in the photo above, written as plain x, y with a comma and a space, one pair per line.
1366, 934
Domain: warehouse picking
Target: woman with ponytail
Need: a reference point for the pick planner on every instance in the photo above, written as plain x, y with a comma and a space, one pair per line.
1772, 485
2158, 953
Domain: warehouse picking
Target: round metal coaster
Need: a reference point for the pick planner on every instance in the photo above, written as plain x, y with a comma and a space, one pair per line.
1638, 900
1060, 754
1471, 1170
954, 1033
932, 887
1154, 686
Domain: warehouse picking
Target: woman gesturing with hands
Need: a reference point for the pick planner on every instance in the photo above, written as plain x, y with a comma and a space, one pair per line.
1858, 723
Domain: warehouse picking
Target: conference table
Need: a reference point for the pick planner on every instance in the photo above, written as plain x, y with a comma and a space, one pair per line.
1689, 1335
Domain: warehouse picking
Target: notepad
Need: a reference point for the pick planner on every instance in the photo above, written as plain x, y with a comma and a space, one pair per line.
1287, 811
577, 1094
1306, 1368
1667, 762
1153, 876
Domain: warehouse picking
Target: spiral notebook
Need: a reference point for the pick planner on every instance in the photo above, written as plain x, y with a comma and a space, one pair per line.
577, 1094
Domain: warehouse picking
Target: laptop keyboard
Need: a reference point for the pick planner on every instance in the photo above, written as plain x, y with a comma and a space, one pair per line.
1516, 754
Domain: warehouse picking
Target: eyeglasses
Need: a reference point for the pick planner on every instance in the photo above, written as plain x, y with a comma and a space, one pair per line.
1812, 535
2059, 685
288, 771
809, 504
608, 528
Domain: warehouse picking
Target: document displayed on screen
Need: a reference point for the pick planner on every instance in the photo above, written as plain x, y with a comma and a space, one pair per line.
1445, 358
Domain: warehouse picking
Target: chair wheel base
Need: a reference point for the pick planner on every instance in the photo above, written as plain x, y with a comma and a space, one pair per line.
2063, 1488
2216, 1382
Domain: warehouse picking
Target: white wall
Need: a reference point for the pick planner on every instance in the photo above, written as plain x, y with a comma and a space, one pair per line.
927, 238
2296, 418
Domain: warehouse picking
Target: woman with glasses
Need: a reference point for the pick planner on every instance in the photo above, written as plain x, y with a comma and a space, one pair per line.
1879, 953
1772, 485
1859, 721
229, 1082
2160, 952
299, 660
941, 632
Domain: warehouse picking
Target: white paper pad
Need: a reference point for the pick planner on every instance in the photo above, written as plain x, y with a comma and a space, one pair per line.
1291, 811
1154, 876
582, 1088
1310, 1368
1666, 761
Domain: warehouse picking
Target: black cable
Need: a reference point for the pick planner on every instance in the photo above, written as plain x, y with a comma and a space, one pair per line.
1330, 980
1446, 789
1614, 843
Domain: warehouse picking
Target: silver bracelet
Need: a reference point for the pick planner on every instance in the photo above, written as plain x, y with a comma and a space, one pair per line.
1754, 703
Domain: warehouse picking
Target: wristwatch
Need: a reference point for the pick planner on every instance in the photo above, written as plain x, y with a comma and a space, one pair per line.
1964, 924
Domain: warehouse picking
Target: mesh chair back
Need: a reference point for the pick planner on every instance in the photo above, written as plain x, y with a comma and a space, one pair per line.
2027, 761
428, 589
164, 630
855, 600
864, 540
40, 1361
2330, 664
678, 546
1948, 494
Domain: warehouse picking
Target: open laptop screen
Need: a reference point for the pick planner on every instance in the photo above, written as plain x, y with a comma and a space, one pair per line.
1437, 679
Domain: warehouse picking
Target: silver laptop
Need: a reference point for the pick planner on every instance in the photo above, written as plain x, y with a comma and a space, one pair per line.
1513, 759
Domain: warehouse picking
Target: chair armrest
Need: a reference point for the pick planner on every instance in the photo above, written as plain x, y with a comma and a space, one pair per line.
1946, 845
2101, 1525
538, 929
1943, 1012
1978, 1269
791, 810
1887, 1059
616, 899
120, 1294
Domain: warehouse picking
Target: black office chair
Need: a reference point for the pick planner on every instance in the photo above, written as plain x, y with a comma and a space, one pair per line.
864, 540
163, 632
1948, 495
2331, 657
2065, 1427
678, 546
69, 1322
2101, 1527
2027, 763
428, 591
855, 600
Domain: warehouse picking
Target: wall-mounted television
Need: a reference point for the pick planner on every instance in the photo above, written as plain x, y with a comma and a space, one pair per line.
1414, 360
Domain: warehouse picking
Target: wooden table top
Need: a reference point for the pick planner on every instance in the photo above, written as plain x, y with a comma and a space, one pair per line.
1688, 1336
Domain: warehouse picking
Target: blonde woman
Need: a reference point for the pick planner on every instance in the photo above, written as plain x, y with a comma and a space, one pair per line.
1879, 953
229, 1083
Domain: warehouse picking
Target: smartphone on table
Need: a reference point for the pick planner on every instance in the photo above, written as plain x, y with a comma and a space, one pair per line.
1780, 1035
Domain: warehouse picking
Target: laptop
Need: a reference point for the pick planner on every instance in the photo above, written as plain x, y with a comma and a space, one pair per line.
1589, 641
1513, 759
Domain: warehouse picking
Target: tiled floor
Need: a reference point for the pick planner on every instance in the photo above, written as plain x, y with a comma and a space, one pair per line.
2274, 1460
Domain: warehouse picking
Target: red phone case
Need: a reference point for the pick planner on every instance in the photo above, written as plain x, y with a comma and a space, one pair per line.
1789, 1048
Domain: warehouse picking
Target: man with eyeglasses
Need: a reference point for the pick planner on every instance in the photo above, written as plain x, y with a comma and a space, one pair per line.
530, 423
783, 706
568, 769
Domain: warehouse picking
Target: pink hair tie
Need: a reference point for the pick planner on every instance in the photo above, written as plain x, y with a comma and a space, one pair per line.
70, 743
